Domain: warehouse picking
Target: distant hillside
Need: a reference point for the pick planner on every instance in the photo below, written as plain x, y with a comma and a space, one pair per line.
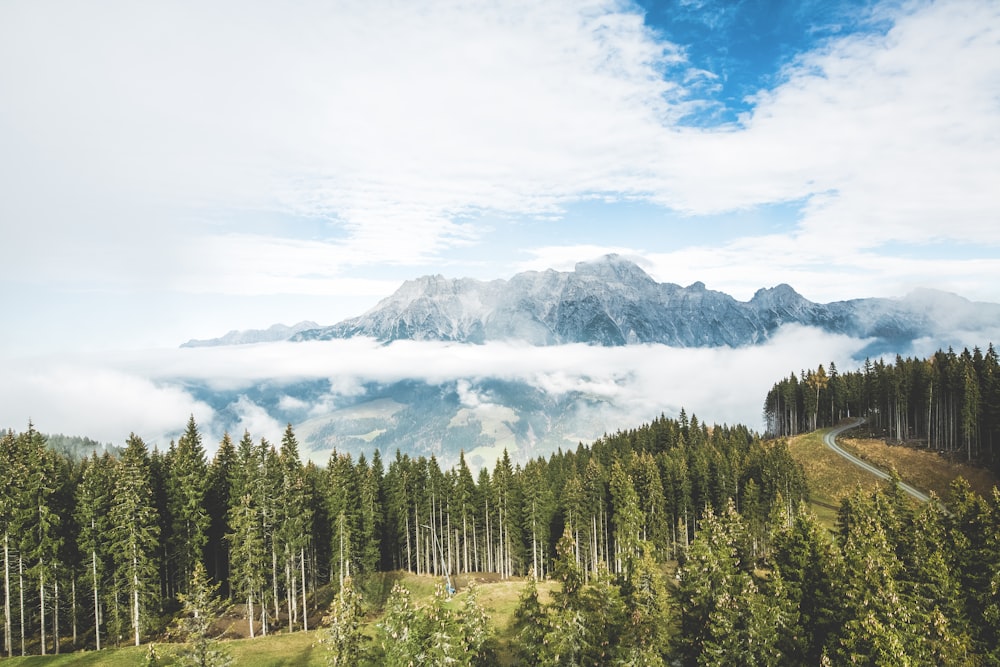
76, 447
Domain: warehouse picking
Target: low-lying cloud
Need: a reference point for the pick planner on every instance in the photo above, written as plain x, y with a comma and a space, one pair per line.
152, 393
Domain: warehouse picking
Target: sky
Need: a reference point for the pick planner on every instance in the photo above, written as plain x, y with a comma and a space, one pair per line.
176, 170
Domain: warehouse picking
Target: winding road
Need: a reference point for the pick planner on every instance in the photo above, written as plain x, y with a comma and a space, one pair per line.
830, 440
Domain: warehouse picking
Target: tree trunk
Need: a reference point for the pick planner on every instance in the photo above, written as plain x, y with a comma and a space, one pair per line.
135, 595
41, 598
97, 599
250, 613
7, 637
305, 607
274, 578
55, 615
20, 590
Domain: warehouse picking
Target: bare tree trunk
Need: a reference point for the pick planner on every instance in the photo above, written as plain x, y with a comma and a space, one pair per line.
41, 598
289, 591
250, 613
135, 595
305, 608
20, 589
7, 636
97, 599
73, 617
55, 615
274, 578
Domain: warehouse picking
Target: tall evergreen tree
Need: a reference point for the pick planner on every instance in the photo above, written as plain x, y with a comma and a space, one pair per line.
187, 477
248, 557
93, 507
134, 534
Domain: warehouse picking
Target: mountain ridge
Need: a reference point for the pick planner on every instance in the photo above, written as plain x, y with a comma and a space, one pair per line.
613, 302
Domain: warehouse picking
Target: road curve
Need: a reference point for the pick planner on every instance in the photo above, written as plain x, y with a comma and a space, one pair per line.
830, 440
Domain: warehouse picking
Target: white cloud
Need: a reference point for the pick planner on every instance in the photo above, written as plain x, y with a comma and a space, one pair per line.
255, 419
96, 400
385, 121
142, 392
894, 137
242, 149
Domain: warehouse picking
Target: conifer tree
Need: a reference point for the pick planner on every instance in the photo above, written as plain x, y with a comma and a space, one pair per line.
134, 534
343, 640
810, 566
294, 527
530, 625
39, 529
627, 519
221, 474
711, 576
93, 506
201, 607
248, 558
187, 477
879, 625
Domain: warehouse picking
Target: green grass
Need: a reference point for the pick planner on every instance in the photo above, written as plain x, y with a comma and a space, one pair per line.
831, 477
301, 649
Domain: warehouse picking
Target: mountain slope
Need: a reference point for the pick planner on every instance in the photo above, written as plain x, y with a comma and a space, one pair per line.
273, 333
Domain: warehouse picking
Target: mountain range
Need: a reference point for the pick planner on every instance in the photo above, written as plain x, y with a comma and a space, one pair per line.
612, 302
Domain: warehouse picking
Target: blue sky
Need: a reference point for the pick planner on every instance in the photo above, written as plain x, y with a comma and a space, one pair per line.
178, 170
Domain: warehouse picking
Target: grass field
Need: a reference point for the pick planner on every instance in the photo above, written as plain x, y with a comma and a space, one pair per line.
302, 649
831, 477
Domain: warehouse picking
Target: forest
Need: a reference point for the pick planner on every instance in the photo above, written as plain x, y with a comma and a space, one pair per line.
949, 402
674, 542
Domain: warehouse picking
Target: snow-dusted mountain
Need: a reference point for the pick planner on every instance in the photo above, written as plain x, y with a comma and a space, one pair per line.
614, 302
533, 401
273, 333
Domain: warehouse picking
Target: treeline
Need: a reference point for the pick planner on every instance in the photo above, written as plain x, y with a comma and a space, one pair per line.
950, 401
101, 551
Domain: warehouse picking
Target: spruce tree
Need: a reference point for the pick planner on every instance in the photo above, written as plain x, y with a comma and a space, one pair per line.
201, 608
93, 507
187, 477
134, 534
343, 639
248, 557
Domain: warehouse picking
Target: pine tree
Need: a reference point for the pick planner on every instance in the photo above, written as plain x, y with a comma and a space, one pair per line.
530, 625
93, 506
810, 566
294, 528
187, 477
220, 479
40, 521
343, 639
399, 636
645, 636
248, 558
879, 625
627, 520
201, 607
134, 534
710, 578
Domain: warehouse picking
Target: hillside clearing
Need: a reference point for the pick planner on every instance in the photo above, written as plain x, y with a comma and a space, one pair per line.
831, 478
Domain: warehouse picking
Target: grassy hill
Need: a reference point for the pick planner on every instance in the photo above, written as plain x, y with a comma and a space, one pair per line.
302, 649
831, 477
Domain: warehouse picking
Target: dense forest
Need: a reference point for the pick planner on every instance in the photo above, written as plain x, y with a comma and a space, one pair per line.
127, 548
949, 402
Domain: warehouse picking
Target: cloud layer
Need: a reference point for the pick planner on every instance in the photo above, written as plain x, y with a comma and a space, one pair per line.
150, 393
237, 149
